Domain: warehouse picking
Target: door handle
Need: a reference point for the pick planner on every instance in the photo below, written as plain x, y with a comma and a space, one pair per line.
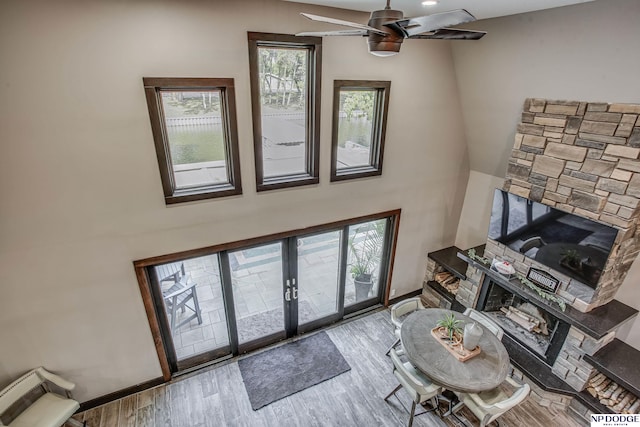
287, 295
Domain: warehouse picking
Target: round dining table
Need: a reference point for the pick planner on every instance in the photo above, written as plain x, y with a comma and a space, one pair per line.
483, 372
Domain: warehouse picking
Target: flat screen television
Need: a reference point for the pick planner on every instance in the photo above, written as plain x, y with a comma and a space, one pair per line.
575, 246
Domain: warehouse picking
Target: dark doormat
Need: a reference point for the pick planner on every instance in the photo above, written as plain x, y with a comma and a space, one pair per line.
288, 369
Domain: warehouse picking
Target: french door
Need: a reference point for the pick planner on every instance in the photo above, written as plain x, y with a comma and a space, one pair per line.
242, 296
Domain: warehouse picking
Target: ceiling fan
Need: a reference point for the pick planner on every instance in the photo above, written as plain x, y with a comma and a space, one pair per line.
387, 28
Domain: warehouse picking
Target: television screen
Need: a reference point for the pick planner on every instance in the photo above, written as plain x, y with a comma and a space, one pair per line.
572, 245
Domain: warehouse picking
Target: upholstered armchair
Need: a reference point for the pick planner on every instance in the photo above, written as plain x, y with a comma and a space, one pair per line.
485, 321
489, 405
416, 384
49, 410
400, 309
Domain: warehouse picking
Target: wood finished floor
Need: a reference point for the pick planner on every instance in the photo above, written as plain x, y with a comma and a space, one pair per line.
216, 396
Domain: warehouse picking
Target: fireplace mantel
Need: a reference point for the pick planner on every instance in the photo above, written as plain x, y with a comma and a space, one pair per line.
596, 323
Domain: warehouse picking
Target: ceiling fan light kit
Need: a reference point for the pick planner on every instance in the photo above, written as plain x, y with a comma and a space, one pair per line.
389, 44
387, 28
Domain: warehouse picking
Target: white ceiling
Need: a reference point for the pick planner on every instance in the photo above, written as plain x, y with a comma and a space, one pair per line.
481, 9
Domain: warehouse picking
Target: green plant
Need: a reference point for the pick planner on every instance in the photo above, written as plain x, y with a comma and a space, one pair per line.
474, 256
365, 245
571, 257
451, 324
541, 293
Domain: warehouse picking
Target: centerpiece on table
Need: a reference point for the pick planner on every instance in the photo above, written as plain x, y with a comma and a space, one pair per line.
448, 332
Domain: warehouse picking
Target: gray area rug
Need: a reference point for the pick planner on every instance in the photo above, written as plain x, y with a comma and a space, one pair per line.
288, 369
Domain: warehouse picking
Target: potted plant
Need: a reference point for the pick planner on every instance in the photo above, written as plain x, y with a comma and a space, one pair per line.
365, 246
450, 327
570, 258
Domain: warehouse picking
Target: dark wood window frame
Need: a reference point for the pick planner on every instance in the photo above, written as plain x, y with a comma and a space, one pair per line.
314, 67
378, 131
153, 87
142, 269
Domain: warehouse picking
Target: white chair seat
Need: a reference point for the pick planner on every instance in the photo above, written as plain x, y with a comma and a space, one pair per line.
489, 398
50, 410
486, 322
491, 404
398, 311
426, 387
416, 384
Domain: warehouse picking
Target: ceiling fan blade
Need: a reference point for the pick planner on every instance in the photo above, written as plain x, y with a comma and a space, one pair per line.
451, 34
423, 24
334, 33
344, 23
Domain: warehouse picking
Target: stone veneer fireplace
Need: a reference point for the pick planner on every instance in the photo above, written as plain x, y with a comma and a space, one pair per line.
582, 158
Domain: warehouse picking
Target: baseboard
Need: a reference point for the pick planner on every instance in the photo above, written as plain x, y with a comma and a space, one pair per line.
98, 401
405, 296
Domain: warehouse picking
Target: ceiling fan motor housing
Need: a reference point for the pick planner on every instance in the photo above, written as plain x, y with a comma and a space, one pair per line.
392, 41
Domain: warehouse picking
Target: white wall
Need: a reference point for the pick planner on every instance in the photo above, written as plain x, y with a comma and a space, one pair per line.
586, 52
81, 195
474, 219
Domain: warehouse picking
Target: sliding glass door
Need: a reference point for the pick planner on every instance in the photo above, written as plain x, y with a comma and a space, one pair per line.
245, 297
318, 279
189, 294
261, 310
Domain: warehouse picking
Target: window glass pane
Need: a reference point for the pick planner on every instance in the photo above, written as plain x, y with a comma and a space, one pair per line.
318, 274
517, 213
192, 297
283, 105
256, 275
495, 224
539, 210
355, 128
366, 244
195, 133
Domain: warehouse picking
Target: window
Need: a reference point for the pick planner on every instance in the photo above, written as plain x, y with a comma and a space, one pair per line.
195, 132
359, 126
285, 94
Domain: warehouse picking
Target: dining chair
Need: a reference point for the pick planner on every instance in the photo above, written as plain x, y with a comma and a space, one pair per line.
489, 405
486, 322
400, 309
530, 243
418, 386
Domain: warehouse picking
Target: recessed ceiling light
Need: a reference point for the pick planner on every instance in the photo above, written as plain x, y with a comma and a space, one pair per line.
429, 3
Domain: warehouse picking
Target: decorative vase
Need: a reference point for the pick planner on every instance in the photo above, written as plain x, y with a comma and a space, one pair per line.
472, 334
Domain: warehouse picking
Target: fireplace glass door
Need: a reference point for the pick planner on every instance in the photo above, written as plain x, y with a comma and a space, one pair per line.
530, 325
